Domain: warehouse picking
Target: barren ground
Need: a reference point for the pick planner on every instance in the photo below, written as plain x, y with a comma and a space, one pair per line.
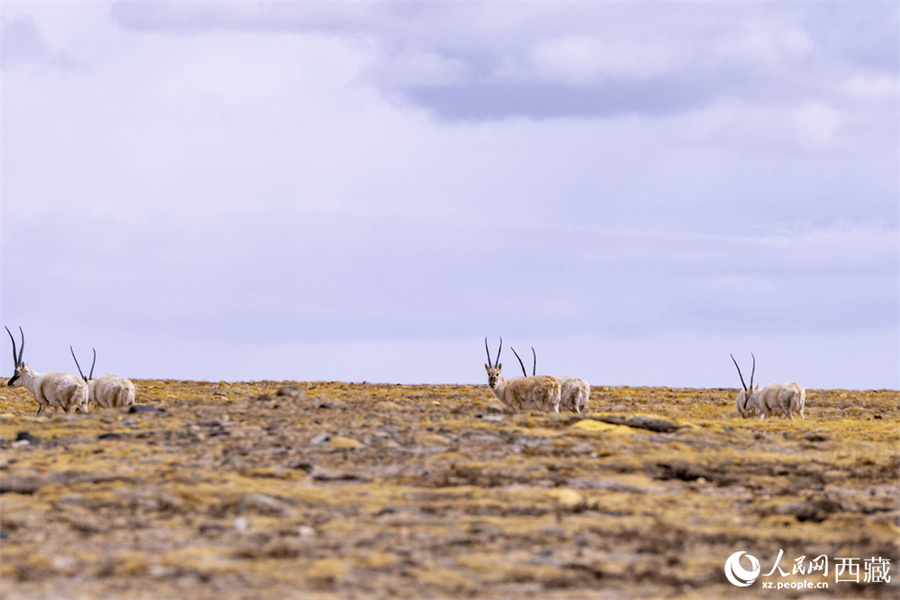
227, 491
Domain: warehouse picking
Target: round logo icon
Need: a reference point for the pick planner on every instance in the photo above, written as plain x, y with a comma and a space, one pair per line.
737, 574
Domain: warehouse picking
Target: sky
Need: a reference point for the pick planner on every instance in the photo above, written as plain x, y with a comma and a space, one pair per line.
363, 191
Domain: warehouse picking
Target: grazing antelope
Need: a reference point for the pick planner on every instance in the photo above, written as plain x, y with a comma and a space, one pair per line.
781, 399
521, 393
107, 391
574, 392
59, 390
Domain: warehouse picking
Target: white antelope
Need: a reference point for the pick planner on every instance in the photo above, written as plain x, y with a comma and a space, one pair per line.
776, 399
521, 393
574, 392
107, 391
58, 390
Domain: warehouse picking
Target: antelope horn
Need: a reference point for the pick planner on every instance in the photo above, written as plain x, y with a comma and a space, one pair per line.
534, 363
91, 376
76, 364
17, 358
488, 352
520, 361
499, 348
739, 372
13, 340
753, 372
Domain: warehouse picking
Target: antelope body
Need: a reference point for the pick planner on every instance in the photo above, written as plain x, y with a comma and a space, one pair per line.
775, 399
111, 391
521, 393
57, 390
106, 391
574, 392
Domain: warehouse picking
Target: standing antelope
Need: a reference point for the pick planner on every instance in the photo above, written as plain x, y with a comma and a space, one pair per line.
574, 392
107, 391
521, 393
59, 390
782, 399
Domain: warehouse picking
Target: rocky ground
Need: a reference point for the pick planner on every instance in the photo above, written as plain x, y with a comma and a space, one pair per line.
334, 490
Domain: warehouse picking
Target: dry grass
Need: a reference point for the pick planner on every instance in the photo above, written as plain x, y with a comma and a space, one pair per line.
226, 491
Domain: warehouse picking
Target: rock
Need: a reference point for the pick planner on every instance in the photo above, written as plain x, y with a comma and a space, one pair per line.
292, 391
639, 422
23, 485
302, 465
321, 438
27, 437
264, 504
241, 524
320, 474
491, 418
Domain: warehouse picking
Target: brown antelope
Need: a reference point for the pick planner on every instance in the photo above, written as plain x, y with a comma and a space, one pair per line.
107, 391
58, 390
521, 393
574, 392
776, 399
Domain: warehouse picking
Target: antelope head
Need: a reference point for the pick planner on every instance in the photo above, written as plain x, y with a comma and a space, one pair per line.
493, 368
747, 391
18, 365
91, 375
533, 364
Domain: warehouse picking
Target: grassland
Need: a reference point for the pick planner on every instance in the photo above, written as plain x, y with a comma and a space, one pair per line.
229, 491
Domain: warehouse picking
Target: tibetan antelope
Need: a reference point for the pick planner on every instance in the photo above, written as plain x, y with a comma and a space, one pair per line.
58, 390
776, 399
521, 393
574, 392
107, 391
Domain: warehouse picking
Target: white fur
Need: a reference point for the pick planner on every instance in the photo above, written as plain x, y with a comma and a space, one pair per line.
58, 390
524, 393
776, 399
111, 391
574, 393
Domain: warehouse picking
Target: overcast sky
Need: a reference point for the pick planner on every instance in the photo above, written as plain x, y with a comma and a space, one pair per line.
364, 191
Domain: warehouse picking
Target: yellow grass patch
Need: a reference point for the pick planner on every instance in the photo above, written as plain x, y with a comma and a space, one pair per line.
227, 490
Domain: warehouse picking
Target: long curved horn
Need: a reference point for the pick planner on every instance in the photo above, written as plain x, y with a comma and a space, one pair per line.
753, 372
91, 376
524, 374
13, 340
739, 372
76, 364
22, 347
534, 362
490, 364
499, 348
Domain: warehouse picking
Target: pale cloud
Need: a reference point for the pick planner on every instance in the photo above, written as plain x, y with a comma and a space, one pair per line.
585, 60
875, 88
411, 67
763, 44
359, 190
20, 40
818, 124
